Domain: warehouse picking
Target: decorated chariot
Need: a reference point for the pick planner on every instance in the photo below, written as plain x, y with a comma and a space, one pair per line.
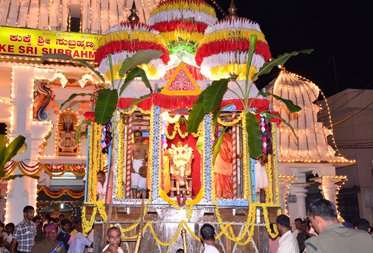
160, 166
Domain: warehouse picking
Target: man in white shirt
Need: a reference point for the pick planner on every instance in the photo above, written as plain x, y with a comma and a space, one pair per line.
287, 242
208, 239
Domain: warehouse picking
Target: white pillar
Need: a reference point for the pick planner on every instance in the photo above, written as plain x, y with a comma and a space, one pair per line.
297, 209
22, 191
297, 206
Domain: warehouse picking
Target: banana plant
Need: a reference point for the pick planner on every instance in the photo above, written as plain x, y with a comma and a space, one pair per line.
8, 151
210, 99
107, 97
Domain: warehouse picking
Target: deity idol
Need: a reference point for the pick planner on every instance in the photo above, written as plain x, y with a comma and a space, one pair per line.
181, 161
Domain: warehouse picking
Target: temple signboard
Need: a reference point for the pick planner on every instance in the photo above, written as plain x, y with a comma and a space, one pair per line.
35, 43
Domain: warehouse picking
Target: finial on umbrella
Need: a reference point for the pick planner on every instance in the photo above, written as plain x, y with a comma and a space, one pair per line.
133, 18
232, 10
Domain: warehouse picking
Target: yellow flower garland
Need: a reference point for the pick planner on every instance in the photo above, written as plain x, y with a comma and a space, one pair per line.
131, 36
149, 180
119, 186
267, 224
173, 239
98, 206
275, 167
95, 160
245, 161
88, 224
224, 71
269, 189
230, 123
235, 34
135, 108
182, 35
228, 230
177, 130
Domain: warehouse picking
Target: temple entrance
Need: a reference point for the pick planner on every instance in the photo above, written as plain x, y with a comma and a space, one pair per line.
313, 189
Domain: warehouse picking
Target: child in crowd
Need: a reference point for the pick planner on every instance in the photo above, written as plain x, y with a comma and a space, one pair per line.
113, 236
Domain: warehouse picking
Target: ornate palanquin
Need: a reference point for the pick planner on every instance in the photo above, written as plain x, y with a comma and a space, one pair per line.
179, 177
162, 119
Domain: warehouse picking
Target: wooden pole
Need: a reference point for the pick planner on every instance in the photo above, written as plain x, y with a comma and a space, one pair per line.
139, 236
185, 245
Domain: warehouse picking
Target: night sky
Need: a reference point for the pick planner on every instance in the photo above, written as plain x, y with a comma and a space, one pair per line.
340, 33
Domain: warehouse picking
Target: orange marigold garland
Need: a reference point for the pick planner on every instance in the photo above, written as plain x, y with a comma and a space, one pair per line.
58, 194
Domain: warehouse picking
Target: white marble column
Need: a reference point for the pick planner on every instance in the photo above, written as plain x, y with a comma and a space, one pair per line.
22, 191
297, 207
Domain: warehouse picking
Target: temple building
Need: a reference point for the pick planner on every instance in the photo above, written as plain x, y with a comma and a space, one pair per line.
91, 16
144, 162
305, 155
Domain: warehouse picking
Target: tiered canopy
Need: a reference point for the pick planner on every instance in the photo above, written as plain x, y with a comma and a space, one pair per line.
224, 48
182, 23
125, 39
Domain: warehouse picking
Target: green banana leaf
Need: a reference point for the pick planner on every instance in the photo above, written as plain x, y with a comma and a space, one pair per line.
276, 116
106, 104
281, 60
111, 71
213, 95
195, 117
289, 104
208, 102
132, 74
253, 136
64, 57
217, 146
250, 54
74, 95
7, 152
141, 57
3, 141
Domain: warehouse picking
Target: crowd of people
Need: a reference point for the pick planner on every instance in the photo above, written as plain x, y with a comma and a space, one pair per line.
320, 232
36, 234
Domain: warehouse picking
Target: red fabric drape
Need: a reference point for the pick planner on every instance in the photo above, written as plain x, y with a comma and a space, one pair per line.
182, 102
183, 25
126, 45
228, 45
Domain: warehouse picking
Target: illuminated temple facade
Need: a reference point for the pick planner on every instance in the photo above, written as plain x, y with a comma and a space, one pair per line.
59, 146
306, 156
